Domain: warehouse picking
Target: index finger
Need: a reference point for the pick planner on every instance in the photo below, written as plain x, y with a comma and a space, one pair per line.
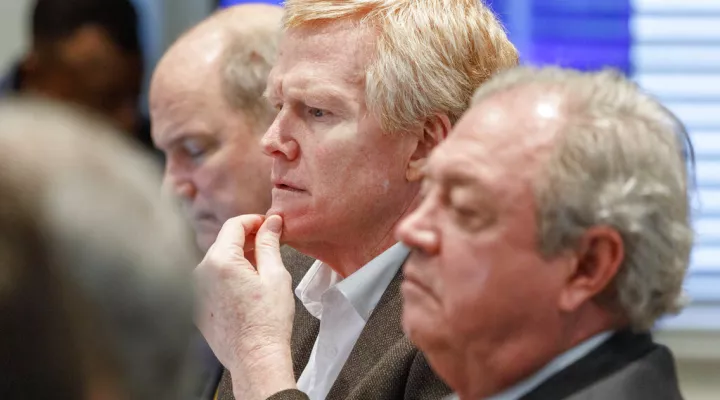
235, 230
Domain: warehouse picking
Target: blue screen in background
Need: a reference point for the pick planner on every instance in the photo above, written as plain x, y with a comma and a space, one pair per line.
227, 3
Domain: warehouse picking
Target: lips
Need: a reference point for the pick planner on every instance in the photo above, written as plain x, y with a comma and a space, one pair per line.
204, 218
282, 184
412, 276
416, 282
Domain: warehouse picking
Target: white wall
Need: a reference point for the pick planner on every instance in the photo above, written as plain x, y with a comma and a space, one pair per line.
13, 35
697, 354
699, 380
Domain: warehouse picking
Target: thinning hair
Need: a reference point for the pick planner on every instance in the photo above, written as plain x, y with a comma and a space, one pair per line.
250, 51
430, 55
95, 283
245, 66
621, 161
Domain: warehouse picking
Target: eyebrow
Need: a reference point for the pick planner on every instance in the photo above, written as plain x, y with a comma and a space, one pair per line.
321, 94
176, 139
455, 175
303, 90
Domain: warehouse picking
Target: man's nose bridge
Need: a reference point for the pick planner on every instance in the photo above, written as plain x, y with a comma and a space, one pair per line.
177, 182
415, 222
270, 140
423, 213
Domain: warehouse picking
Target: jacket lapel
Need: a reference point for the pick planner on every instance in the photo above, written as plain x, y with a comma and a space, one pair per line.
305, 325
382, 331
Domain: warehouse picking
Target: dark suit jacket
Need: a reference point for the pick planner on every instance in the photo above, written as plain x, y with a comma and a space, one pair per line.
382, 365
628, 366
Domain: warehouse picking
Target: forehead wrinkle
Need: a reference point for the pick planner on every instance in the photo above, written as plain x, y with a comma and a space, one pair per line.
352, 49
304, 83
450, 166
180, 120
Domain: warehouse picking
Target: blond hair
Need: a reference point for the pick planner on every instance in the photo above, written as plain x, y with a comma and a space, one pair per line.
430, 54
621, 162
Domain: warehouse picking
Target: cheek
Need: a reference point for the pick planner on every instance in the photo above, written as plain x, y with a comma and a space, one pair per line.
214, 179
465, 279
504, 286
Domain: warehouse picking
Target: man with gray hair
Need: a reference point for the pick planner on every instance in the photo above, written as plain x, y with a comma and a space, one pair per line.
554, 232
95, 290
209, 114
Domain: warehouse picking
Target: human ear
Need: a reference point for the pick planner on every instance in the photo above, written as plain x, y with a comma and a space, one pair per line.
434, 131
598, 258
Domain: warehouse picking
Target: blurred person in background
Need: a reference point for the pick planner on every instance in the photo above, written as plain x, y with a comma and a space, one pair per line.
554, 232
209, 114
95, 290
365, 90
84, 52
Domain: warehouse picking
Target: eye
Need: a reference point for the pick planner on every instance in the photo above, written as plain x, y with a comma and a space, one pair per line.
463, 213
316, 112
194, 149
278, 107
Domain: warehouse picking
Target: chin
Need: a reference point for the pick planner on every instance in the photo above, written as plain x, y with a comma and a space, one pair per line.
415, 324
300, 231
423, 328
299, 226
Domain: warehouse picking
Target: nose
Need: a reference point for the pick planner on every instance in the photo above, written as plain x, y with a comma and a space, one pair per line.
278, 140
418, 229
178, 187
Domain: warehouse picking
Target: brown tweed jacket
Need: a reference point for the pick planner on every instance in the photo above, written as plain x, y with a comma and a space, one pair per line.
383, 365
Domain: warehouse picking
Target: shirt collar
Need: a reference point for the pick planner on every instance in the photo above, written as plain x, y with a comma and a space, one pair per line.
558, 364
362, 289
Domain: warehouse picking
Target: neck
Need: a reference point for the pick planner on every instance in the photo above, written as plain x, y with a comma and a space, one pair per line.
510, 361
351, 251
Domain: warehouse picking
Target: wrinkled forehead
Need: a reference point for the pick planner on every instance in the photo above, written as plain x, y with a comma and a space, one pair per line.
337, 52
503, 141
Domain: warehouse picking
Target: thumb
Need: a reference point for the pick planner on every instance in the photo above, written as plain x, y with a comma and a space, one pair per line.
267, 245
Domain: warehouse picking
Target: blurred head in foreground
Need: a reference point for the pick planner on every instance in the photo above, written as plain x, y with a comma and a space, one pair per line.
208, 114
556, 210
86, 52
95, 292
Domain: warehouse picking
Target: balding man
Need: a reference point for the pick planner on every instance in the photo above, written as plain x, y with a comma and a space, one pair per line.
209, 115
555, 231
365, 89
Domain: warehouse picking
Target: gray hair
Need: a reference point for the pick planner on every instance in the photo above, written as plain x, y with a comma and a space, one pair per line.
246, 63
95, 269
621, 162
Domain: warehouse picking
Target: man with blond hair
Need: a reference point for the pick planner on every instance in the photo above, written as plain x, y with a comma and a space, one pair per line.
365, 90
554, 233
208, 115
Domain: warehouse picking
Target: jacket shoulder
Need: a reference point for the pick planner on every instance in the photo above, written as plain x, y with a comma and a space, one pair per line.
652, 377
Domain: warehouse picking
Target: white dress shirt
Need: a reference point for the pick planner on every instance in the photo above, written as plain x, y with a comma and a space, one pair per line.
557, 364
343, 307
